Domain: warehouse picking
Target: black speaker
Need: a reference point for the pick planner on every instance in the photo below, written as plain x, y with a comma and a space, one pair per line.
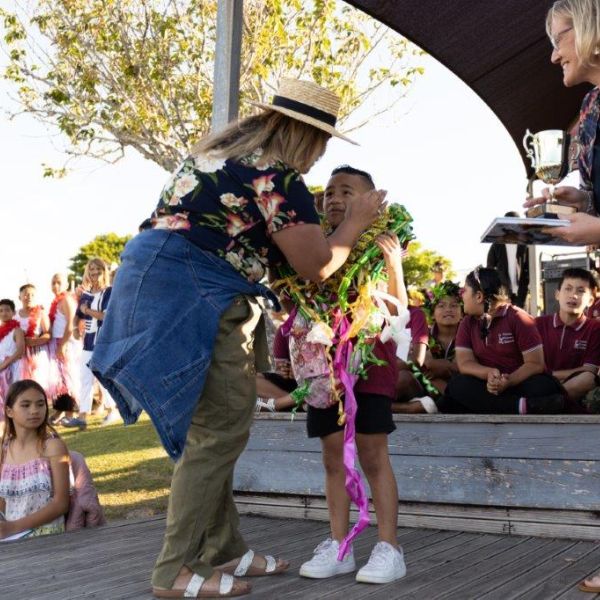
552, 271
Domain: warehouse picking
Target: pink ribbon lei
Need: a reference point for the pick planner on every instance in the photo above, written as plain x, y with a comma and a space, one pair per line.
354, 483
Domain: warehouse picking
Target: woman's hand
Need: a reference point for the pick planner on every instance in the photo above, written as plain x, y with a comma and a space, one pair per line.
565, 195
584, 229
365, 209
391, 248
60, 351
283, 367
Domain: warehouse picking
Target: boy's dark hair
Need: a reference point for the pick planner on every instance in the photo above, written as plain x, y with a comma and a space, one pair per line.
579, 273
352, 171
25, 286
9, 303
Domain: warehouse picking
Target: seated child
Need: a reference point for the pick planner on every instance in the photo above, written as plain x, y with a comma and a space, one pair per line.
34, 466
444, 306
499, 355
374, 421
572, 340
273, 388
12, 348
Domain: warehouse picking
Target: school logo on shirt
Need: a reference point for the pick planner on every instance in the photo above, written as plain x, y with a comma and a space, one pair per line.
506, 338
580, 345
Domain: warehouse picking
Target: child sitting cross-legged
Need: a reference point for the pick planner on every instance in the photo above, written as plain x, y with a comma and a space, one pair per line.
443, 306
499, 355
572, 340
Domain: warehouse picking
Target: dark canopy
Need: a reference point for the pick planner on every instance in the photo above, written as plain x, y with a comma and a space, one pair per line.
498, 48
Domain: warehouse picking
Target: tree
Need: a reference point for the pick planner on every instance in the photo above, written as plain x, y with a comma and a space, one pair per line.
116, 73
108, 247
419, 264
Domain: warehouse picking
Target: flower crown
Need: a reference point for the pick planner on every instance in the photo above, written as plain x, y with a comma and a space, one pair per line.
439, 291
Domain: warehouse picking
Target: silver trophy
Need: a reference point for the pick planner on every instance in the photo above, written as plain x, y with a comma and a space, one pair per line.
548, 151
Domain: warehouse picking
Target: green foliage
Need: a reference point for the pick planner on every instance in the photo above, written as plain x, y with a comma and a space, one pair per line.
108, 247
116, 73
419, 263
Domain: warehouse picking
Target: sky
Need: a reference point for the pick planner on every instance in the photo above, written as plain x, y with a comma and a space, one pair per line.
444, 155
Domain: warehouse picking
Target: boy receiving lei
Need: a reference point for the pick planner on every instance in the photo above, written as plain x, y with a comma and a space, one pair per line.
337, 349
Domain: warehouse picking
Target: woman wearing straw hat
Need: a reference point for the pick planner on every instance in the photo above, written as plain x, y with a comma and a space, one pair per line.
183, 333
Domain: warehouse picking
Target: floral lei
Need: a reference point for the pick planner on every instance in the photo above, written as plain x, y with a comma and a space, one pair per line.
7, 327
436, 293
54, 306
348, 326
32, 322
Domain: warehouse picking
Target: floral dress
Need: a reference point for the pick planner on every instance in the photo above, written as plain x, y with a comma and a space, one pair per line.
26, 488
232, 208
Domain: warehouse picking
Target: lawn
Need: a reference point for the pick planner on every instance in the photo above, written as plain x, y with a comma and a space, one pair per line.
131, 471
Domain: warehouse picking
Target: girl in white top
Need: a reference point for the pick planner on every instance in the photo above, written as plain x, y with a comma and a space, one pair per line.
12, 348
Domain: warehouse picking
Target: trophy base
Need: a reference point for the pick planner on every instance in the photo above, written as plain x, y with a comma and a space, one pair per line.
549, 210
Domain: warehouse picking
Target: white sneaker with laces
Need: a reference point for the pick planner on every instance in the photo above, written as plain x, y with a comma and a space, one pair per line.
324, 562
386, 564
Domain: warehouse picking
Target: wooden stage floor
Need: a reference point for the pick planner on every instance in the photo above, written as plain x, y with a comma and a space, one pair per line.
114, 563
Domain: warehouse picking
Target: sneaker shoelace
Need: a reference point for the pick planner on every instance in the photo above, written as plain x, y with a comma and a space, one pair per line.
323, 548
380, 556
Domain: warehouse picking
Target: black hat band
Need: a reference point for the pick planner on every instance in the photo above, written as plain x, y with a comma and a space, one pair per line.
305, 109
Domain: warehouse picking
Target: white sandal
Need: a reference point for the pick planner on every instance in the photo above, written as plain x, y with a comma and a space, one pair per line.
245, 568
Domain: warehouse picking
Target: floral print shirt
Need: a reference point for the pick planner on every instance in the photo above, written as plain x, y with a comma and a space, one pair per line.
232, 208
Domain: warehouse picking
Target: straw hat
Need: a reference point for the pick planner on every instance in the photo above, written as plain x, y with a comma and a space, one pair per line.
307, 102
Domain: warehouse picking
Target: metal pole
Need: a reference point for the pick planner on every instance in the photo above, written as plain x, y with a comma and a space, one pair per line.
534, 280
226, 86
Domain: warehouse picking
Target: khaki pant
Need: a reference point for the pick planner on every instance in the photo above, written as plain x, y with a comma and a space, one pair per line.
202, 520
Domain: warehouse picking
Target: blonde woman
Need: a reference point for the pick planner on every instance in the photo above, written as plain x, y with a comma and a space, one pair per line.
91, 310
183, 335
573, 27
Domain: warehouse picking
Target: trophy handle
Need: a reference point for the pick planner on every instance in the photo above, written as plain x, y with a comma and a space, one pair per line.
528, 149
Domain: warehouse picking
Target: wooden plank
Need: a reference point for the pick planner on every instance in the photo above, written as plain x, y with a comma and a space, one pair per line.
550, 577
498, 440
445, 418
445, 479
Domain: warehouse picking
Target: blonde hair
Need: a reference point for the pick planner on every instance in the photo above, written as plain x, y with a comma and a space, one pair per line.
103, 280
585, 18
296, 144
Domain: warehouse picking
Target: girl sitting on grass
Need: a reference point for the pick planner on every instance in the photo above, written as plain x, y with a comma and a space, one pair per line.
34, 466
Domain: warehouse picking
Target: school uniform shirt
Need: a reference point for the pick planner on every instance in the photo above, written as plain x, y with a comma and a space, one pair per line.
594, 310
97, 301
419, 330
511, 334
569, 346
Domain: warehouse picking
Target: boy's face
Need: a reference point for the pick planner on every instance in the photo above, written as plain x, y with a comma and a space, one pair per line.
27, 297
447, 311
341, 188
574, 296
6, 313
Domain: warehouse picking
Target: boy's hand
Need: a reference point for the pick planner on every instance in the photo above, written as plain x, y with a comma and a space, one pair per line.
391, 248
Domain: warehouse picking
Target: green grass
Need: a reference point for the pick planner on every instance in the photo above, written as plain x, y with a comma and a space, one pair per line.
131, 471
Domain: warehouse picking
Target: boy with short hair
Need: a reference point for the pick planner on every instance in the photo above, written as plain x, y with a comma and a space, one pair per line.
571, 339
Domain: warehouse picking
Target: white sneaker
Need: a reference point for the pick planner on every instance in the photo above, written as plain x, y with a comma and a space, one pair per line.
386, 564
324, 562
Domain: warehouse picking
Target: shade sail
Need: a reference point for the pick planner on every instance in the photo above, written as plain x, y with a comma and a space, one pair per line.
498, 48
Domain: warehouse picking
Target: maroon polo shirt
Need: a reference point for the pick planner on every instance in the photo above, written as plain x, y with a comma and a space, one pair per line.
512, 333
419, 330
594, 310
569, 346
